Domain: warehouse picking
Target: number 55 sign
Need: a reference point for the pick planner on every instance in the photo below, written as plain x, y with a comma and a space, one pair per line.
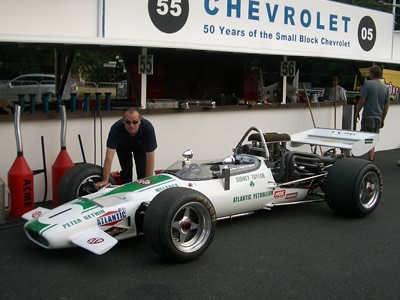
146, 64
288, 68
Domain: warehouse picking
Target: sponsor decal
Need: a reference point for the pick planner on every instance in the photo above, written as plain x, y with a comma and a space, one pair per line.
250, 177
369, 141
347, 134
258, 195
241, 167
144, 181
72, 223
93, 215
37, 214
258, 176
241, 198
262, 195
292, 195
168, 186
112, 217
114, 231
242, 178
95, 240
279, 194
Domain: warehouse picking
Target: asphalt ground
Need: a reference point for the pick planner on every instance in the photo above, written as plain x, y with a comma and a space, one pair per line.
292, 252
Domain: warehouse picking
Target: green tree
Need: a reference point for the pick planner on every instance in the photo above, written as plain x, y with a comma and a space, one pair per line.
89, 64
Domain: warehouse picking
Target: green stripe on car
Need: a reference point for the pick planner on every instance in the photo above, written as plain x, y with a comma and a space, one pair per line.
36, 226
135, 186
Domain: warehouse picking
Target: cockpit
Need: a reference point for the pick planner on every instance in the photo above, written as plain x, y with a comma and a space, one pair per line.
206, 170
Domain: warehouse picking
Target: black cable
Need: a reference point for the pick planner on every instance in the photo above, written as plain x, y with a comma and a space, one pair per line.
12, 224
82, 151
45, 172
101, 139
94, 136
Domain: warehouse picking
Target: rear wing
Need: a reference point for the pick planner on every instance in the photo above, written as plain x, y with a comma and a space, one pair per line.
357, 142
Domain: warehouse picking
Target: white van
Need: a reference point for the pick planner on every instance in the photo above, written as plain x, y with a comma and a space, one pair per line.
37, 84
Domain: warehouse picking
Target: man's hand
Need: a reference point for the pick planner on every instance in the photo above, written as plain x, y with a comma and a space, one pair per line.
102, 184
357, 117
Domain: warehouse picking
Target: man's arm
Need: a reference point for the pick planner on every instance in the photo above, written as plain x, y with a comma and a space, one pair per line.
385, 110
150, 163
107, 168
360, 105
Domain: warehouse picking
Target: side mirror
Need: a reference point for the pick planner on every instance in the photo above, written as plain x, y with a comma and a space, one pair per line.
188, 154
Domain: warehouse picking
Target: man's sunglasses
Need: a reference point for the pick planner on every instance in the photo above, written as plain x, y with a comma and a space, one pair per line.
127, 122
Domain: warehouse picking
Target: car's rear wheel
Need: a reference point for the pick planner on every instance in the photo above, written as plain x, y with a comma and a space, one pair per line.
180, 224
79, 181
353, 187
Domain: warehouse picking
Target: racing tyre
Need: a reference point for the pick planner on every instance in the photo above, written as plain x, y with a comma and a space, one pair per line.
180, 224
353, 187
79, 181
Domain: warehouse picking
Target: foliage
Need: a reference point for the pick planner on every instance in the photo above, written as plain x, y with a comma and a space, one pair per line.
89, 65
16, 60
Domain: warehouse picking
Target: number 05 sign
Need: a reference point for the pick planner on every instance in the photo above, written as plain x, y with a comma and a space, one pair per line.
288, 68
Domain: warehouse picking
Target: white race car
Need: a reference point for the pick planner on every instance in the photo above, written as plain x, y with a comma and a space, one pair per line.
177, 209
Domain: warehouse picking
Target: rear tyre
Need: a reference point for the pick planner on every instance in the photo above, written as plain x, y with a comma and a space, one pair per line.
353, 187
180, 224
79, 181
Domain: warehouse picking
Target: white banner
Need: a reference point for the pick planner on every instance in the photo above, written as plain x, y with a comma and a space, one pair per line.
290, 27
318, 28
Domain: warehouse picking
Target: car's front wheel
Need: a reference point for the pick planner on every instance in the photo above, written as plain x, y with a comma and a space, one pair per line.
353, 187
180, 224
79, 181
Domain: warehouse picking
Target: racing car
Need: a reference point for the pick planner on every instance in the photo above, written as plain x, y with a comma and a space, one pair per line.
177, 209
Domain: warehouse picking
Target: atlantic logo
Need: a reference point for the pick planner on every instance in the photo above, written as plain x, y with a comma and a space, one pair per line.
112, 218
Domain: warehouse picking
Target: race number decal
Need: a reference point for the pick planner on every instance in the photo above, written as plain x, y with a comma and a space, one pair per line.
367, 33
169, 16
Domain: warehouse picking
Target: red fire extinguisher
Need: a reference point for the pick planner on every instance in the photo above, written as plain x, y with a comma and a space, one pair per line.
20, 176
63, 161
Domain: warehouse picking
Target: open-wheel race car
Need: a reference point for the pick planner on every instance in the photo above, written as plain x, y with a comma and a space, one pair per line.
177, 210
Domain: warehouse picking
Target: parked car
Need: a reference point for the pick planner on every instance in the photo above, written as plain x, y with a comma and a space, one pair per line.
177, 209
27, 84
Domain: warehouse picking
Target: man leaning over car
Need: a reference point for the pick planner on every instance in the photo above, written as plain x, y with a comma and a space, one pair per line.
132, 134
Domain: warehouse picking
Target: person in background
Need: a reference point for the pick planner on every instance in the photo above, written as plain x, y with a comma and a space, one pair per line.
132, 134
334, 92
374, 100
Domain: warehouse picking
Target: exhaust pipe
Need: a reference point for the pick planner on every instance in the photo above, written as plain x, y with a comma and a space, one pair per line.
63, 161
20, 176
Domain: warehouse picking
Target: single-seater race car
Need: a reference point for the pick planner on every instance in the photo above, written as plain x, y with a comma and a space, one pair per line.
177, 209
